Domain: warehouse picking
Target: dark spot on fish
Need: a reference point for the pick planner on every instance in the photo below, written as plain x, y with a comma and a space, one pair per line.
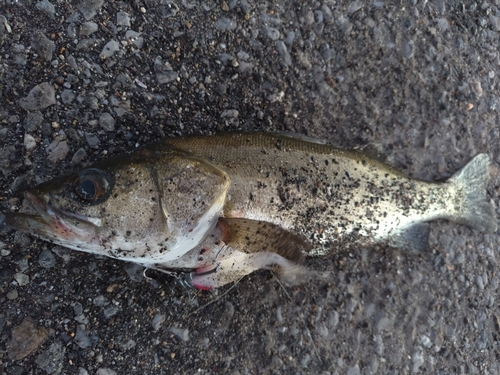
128, 233
326, 162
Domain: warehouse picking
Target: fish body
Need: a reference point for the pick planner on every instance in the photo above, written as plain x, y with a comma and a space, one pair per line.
228, 204
335, 197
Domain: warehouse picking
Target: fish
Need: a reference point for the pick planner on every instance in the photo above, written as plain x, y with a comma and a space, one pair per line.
201, 203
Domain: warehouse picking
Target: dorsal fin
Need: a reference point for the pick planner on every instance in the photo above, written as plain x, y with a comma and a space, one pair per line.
252, 236
300, 137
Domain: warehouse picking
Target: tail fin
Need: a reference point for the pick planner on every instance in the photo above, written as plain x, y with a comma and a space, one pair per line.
471, 180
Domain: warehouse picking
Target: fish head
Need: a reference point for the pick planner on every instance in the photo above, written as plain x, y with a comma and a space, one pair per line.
148, 207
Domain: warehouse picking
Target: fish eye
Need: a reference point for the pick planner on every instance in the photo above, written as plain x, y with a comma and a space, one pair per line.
92, 185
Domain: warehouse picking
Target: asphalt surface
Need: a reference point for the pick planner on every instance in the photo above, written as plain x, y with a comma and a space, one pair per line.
83, 80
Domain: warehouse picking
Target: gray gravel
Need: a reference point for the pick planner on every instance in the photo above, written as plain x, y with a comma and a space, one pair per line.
83, 80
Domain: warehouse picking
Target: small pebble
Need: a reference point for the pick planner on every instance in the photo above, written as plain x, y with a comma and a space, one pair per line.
379, 345
40, 97
77, 308
79, 156
105, 371
245, 67
230, 113
109, 49
167, 76
135, 38
89, 8
182, 333
29, 142
101, 301
417, 361
426, 342
47, 7
158, 321
52, 359
290, 37
271, 32
33, 121
243, 55
92, 140
12, 294
477, 88
88, 28
107, 122
354, 370
354, 7
110, 311
225, 23
59, 153
47, 259
82, 339
123, 19
167, 10
22, 279
127, 345
67, 96
26, 338
42, 45
283, 51
307, 19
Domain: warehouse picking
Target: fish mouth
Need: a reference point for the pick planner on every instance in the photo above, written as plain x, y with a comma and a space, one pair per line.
52, 223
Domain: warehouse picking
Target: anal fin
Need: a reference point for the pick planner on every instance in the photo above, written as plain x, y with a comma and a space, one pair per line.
251, 236
414, 238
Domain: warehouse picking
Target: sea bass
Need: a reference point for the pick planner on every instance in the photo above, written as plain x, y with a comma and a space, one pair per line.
200, 202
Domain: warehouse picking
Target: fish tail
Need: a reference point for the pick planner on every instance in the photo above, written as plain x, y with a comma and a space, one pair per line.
471, 182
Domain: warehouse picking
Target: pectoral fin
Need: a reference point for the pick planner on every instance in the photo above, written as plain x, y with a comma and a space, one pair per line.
252, 236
